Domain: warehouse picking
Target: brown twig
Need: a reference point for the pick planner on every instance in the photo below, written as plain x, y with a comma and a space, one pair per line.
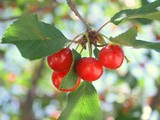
74, 9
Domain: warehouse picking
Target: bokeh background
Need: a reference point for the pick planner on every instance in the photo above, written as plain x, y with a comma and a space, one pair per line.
131, 92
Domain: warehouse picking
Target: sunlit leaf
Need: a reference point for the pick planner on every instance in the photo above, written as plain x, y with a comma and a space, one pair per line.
128, 38
33, 38
82, 104
146, 11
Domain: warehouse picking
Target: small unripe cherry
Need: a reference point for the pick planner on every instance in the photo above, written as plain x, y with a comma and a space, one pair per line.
89, 69
61, 60
57, 78
111, 56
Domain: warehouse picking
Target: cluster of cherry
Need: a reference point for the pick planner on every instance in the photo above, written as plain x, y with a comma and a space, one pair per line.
88, 69
61, 62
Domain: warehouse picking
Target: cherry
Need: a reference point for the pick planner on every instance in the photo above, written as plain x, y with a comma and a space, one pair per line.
111, 56
57, 78
60, 61
89, 69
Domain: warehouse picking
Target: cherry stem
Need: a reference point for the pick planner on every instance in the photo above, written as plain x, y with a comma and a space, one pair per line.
101, 27
89, 45
99, 45
77, 46
81, 50
74, 39
105, 36
127, 59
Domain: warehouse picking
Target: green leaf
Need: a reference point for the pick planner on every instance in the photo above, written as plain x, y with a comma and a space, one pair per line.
145, 2
33, 38
143, 21
70, 80
148, 45
146, 11
96, 52
151, 16
129, 39
82, 104
126, 38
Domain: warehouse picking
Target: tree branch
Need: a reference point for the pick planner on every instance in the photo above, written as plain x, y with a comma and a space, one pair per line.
26, 107
53, 5
74, 9
9, 18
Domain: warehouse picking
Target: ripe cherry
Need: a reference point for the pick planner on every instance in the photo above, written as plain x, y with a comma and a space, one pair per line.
60, 61
89, 69
111, 56
57, 78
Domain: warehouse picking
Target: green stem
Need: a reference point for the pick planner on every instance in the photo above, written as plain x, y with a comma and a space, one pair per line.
89, 45
77, 46
127, 59
81, 50
74, 39
105, 36
99, 45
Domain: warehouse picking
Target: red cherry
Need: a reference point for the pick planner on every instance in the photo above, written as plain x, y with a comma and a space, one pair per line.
60, 61
111, 56
89, 69
57, 79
